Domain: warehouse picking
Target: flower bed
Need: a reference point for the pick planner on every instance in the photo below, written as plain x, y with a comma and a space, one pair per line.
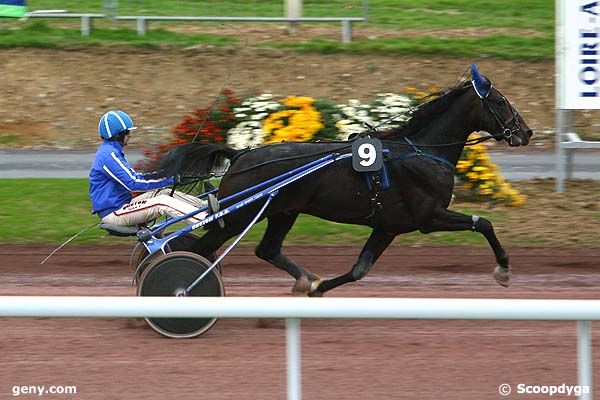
253, 120
482, 178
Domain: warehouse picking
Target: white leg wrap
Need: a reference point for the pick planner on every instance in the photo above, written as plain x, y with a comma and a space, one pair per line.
475, 218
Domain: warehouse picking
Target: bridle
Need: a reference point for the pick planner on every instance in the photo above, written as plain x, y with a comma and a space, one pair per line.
507, 131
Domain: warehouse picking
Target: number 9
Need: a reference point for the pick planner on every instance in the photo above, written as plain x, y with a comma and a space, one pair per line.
367, 153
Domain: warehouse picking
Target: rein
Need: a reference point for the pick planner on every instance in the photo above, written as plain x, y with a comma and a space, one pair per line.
319, 153
468, 142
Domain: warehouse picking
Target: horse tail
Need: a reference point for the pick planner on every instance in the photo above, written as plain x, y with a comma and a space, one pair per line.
196, 159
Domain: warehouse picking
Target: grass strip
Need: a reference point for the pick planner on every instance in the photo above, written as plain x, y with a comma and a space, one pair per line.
504, 47
52, 210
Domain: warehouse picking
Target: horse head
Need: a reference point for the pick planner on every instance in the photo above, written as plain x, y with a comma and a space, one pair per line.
497, 115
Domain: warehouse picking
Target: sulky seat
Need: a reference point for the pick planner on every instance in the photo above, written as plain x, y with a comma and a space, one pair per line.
117, 230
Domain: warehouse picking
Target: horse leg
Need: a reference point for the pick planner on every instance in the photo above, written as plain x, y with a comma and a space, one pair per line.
447, 220
269, 249
376, 244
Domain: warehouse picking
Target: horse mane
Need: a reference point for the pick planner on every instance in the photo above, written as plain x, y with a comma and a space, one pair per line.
425, 112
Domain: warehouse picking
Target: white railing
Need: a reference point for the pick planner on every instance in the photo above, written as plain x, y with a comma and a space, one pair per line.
294, 309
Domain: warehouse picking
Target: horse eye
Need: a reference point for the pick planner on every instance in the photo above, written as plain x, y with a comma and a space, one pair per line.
502, 102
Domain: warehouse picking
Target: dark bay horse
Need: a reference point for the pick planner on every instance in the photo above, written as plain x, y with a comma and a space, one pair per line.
420, 163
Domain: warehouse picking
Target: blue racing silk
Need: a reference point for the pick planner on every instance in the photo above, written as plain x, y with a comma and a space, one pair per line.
112, 180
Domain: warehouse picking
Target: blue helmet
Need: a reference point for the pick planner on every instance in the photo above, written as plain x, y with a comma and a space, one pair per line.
114, 122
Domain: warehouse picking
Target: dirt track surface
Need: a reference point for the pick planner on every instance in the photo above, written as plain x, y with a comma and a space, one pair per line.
342, 359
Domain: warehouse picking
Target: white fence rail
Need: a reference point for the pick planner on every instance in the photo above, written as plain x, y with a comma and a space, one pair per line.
294, 309
142, 12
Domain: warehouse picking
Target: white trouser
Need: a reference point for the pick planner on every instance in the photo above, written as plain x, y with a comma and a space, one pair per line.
151, 205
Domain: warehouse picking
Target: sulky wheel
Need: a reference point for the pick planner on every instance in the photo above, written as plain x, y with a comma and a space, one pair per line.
183, 243
168, 275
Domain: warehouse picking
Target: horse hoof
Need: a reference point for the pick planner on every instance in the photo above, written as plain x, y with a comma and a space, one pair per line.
314, 289
304, 285
502, 275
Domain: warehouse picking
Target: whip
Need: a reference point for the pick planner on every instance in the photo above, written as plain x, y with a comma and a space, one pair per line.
68, 241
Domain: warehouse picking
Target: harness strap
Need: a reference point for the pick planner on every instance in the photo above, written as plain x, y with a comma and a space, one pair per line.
419, 153
376, 206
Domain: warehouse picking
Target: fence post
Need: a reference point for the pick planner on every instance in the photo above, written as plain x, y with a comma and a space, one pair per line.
293, 9
346, 31
560, 151
86, 24
561, 159
292, 334
141, 26
584, 357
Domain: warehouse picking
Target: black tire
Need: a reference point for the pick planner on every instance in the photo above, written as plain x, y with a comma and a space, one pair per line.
183, 243
174, 271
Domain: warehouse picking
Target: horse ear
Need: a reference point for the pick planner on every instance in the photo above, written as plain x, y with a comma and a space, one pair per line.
481, 85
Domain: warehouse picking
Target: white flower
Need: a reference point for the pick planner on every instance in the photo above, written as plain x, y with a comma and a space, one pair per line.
354, 102
259, 117
245, 134
398, 110
349, 111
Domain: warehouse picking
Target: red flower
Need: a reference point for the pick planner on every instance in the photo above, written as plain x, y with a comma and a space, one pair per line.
215, 122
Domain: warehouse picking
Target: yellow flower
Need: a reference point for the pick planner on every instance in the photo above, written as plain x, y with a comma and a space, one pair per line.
300, 123
462, 166
473, 176
483, 178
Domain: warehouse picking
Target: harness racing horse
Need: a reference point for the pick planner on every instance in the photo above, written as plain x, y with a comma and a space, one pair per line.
420, 167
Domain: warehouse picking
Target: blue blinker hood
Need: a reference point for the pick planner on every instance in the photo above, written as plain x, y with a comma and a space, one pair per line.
481, 85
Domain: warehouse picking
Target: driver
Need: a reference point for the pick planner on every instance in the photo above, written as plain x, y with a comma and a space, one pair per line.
113, 180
